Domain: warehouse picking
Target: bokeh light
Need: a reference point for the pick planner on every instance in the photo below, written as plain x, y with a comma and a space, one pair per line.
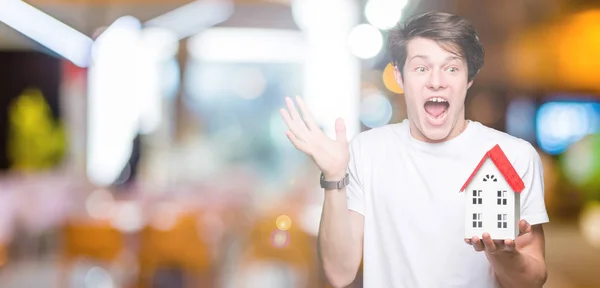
280, 239
375, 111
581, 165
365, 41
575, 50
559, 124
250, 83
389, 80
520, 118
166, 216
311, 15
98, 278
283, 222
384, 14
100, 204
128, 217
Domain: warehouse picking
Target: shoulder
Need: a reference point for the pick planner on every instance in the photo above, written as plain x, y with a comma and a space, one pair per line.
376, 136
374, 143
515, 148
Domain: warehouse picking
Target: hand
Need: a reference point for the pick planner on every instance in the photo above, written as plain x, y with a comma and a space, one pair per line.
331, 156
492, 247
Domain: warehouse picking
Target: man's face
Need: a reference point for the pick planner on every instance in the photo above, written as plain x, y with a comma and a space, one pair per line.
435, 86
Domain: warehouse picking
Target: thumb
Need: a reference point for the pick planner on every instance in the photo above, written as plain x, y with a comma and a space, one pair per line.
524, 227
340, 130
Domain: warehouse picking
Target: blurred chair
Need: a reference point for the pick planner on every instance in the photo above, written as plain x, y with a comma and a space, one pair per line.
287, 257
97, 241
175, 256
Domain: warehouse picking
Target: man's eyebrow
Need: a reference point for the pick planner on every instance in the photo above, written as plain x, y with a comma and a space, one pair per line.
424, 57
453, 58
419, 56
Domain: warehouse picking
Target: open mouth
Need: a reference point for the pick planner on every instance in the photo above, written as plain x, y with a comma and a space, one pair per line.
436, 108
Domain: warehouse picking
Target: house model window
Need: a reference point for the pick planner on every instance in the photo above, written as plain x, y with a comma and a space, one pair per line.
477, 200
502, 221
502, 198
490, 177
477, 223
493, 203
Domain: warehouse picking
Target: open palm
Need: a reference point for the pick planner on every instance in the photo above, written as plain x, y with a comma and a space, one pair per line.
331, 156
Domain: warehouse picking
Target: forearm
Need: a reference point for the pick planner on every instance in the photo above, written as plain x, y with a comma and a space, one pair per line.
339, 245
518, 270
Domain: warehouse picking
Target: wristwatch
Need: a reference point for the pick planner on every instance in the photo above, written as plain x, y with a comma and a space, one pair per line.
332, 185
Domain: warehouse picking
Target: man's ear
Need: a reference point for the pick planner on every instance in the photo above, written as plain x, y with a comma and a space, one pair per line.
398, 77
469, 85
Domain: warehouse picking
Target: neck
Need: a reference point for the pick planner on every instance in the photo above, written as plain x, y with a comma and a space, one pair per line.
460, 127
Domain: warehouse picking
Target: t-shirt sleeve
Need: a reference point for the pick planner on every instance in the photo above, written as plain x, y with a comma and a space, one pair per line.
533, 206
354, 190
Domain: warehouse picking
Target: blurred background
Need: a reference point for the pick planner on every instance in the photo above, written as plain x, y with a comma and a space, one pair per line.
141, 143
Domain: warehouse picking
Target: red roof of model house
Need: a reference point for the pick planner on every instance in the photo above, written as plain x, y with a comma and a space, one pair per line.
506, 169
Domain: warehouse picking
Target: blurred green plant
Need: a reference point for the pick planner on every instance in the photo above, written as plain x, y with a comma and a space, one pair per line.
36, 141
581, 165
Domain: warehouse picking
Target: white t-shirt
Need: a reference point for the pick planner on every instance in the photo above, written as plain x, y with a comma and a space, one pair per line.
408, 192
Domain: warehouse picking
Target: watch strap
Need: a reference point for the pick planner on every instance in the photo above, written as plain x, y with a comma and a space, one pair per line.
333, 185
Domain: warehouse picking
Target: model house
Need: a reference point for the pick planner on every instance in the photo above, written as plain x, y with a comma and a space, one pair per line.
492, 197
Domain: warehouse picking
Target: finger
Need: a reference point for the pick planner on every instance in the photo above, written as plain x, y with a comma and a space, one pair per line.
286, 117
477, 244
292, 109
468, 241
293, 125
340, 130
524, 227
299, 144
499, 245
490, 246
510, 245
308, 119
296, 124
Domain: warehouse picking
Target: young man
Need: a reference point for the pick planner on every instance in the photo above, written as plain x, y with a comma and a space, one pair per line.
392, 195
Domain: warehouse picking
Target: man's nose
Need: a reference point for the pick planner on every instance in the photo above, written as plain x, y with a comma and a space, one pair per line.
436, 80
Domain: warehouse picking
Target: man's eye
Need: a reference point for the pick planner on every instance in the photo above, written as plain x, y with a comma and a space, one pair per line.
420, 69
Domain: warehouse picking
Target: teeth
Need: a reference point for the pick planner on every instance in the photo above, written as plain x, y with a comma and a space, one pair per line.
437, 99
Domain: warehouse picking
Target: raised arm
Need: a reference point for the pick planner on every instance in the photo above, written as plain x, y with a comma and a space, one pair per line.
340, 239
341, 230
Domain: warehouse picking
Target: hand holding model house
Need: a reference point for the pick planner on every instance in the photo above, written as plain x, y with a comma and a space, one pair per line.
493, 204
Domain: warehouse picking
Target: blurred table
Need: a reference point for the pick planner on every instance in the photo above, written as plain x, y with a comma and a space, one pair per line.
572, 262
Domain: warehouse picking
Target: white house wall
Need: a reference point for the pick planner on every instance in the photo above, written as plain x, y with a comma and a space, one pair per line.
489, 207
